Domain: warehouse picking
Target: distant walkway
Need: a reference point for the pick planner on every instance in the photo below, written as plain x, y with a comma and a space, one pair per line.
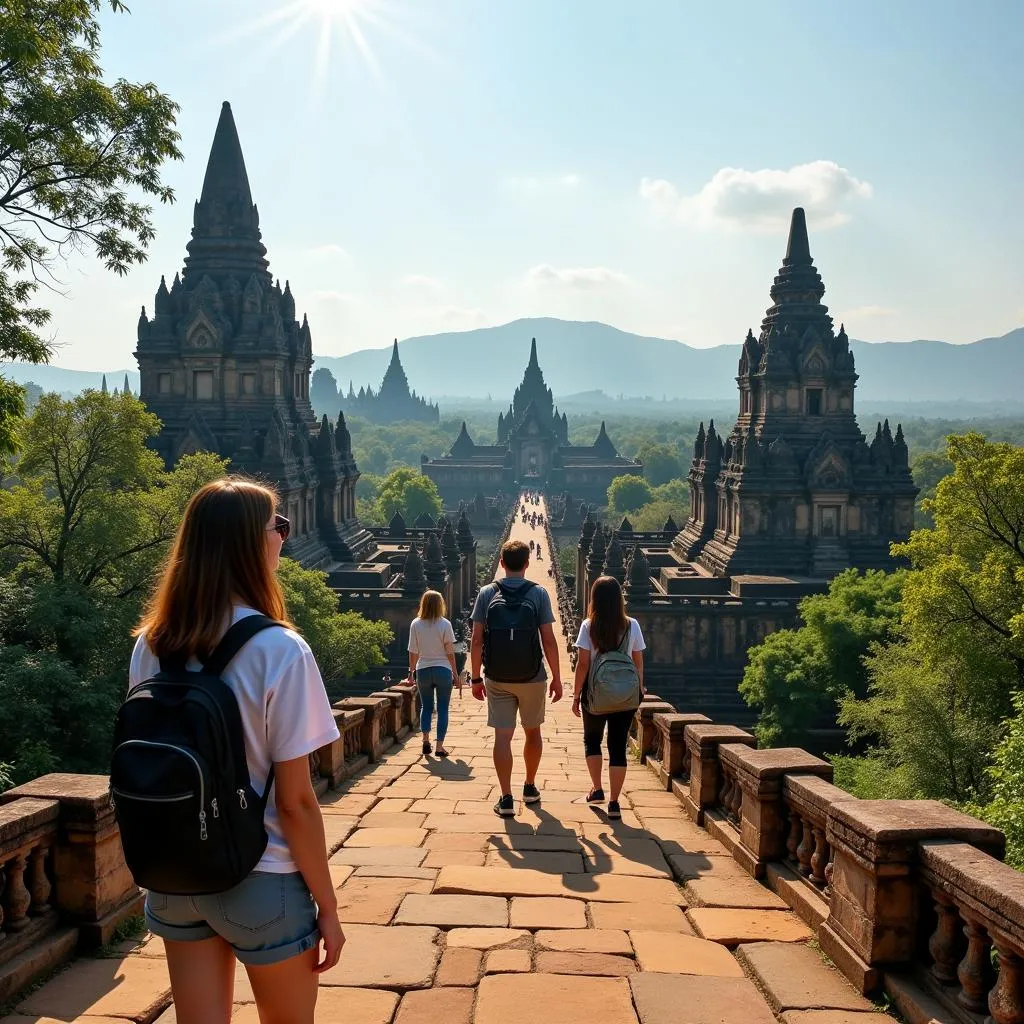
455, 916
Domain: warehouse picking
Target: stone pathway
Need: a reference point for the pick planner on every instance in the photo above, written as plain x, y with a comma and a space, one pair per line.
453, 915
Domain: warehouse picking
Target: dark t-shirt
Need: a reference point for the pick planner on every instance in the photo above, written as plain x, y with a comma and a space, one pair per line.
537, 596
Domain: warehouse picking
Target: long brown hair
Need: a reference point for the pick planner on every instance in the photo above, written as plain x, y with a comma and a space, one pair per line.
607, 614
218, 558
431, 606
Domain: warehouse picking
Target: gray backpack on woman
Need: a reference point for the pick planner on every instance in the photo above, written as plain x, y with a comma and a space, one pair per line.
614, 683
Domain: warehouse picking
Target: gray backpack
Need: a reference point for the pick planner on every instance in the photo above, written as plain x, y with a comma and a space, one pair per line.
614, 683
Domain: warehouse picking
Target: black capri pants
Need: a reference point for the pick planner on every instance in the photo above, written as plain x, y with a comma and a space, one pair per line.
618, 723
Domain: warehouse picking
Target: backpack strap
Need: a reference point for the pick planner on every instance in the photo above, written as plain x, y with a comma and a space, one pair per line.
234, 640
515, 595
624, 642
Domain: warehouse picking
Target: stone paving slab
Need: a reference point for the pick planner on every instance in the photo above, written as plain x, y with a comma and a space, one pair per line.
485, 938
550, 862
454, 911
333, 1006
363, 837
698, 999
380, 856
732, 927
434, 1006
584, 940
378, 818
365, 900
591, 964
547, 912
835, 1017
508, 961
794, 977
570, 1000
133, 986
733, 891
675, 953
386, 957
627, 916
459, 967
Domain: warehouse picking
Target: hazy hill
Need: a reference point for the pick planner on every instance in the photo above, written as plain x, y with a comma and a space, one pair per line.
580, 358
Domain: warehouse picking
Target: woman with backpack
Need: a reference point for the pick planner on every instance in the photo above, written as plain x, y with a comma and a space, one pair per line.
609, 685
432, 665
220, 578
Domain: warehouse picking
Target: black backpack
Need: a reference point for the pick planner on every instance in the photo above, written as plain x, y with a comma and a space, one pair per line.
190, 821
512, 651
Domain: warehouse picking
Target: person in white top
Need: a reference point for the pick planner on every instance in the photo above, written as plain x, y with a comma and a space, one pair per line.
605, 629
220, 569
432, 665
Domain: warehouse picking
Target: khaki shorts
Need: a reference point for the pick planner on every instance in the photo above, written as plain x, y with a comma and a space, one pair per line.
504, 698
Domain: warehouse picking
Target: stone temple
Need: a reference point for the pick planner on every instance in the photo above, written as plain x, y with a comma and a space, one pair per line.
225, 364
532, 451
394, 402
792, 495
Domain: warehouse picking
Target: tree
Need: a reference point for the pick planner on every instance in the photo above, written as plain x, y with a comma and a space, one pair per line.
795, 677
928, 469
73, 149
661, 463
1005, 810
408, 492
91, 504
628, 493
344, 642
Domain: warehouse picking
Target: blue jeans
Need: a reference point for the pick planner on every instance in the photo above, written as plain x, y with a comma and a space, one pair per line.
429, 680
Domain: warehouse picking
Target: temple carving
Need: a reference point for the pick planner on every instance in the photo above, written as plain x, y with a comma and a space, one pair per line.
532, 450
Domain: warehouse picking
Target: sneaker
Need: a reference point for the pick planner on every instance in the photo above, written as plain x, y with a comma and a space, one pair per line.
505, 807
531, 794
614, 811
596, 796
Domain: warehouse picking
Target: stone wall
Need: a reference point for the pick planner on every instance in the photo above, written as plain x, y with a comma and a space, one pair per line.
907, 896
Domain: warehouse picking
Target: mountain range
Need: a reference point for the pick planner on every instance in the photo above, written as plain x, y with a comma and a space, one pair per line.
594, 357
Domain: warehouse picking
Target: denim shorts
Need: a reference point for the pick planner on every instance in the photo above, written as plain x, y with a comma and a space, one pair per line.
265, 919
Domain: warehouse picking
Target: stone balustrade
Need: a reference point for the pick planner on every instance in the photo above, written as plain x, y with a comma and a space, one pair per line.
909, 896
643, 734
393, 725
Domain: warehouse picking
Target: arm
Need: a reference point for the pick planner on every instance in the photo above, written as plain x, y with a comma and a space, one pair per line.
414, 654
476, 658
303, 828
550, 645
582, 668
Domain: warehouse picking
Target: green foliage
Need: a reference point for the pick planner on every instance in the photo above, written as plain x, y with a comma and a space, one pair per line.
91, 503
626, 494
78, 157
795, 677
928, 469
1005, 809
406, 491
567, 560
6, 778
344, 642
661, 463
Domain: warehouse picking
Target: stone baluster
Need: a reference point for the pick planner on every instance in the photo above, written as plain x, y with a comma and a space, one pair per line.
796, 831
820, 856
736, 800
944, 945
1006, 1000
975, 972
39, 882
702, 748
17, 898
805, 850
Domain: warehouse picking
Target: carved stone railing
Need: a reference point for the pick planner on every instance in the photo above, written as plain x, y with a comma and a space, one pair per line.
643, 734
392, 724
375, 738
409, 712
906, 895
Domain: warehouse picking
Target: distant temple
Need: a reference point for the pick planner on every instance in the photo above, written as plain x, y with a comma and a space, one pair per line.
394, 401
532, 450
792, 495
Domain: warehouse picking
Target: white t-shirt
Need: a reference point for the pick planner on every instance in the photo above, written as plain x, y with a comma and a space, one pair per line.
426, 638
636, 638
284, 707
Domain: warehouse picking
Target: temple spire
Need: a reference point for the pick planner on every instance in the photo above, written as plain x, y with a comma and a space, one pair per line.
226, 177
799, 248
533, 354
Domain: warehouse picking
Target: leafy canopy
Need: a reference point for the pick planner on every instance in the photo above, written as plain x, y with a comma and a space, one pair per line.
78, 159
628, 493
408, 492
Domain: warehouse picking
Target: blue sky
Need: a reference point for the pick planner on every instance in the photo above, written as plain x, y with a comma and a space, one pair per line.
449, 164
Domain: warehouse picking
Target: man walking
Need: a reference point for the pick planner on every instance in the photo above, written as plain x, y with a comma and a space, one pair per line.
512, 636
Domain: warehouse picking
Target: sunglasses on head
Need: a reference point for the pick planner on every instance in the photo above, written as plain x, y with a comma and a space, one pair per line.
281, 526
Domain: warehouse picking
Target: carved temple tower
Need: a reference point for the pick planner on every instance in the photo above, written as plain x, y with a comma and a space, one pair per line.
795, 489
225, 364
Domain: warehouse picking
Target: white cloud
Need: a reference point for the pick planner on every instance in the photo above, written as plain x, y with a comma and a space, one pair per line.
422, 282
575, 278
459, 316
332, 295
761, 200
330, 251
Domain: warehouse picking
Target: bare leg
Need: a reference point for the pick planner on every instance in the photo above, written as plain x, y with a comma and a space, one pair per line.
286, 992
202, 980
616, 777
594, 763
533, 748
503, 759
